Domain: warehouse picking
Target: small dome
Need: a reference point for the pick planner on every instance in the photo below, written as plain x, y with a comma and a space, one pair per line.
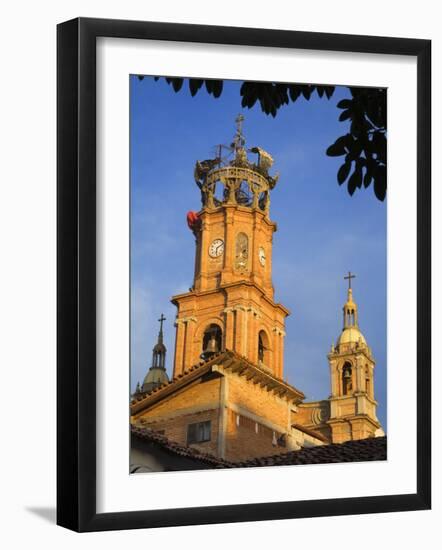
351, 335
155, 376
159, 348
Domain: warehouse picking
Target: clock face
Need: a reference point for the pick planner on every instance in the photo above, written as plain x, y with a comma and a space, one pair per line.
262, 256
216, 248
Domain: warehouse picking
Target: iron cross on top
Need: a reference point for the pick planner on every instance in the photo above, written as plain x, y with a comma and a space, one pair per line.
350, 276
161, 319
239, 120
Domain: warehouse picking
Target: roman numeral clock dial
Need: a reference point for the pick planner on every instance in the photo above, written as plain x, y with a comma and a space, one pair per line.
216, 249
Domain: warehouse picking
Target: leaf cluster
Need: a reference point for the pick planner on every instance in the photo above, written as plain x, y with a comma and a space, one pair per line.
213, 87
271, 96
364, 147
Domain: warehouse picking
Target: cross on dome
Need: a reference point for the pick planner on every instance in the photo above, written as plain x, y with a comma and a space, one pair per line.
350, 276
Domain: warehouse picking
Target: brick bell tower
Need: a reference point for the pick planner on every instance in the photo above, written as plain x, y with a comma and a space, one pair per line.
352, 402
230, 305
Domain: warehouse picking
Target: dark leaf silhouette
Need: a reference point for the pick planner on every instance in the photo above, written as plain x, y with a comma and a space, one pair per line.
345, 115
380, 183
344, 104
343, 172
339, 147
355, 181
194, 85
364, 145
367, 178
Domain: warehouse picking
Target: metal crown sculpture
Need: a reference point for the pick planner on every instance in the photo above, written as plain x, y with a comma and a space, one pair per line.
242, 182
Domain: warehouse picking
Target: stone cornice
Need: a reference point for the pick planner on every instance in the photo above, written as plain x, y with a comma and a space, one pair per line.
262, 292
184, 320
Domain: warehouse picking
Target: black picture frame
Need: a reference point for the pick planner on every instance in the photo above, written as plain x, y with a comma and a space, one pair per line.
76, 273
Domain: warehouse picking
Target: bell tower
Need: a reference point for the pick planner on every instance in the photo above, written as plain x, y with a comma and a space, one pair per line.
230, 305
352, 402
156, 376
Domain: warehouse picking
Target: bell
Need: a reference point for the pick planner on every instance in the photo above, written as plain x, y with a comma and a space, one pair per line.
347, 374
211, 348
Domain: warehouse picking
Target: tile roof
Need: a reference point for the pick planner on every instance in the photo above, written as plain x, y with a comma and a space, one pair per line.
226, 359
373, 448
172, 447
363, 450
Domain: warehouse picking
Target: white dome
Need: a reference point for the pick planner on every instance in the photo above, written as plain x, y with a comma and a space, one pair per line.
351, 335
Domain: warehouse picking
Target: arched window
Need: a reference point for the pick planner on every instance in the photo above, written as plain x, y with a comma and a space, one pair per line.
347, 385
212, 340
263, 349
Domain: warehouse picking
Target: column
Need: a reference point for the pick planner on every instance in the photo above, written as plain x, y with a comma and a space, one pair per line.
252, 344
179, 347
254, 249
334, 379
360, 376
240, 331
226, 276
189, 356
339, 380
197, 267
371, 374
245, 333
281, 352
203, 274
229, 328
275, 352
222, 425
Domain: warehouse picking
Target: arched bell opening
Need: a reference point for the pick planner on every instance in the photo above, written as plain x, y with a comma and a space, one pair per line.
212, 341
263, 349
347, 382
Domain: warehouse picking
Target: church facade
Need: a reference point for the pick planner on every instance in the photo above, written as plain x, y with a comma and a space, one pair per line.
228, 396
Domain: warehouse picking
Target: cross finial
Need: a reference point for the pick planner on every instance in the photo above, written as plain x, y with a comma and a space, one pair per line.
350, 276
161, 320
239, 120
239, 140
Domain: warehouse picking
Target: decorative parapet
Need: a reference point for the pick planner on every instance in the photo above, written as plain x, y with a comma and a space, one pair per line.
242, 182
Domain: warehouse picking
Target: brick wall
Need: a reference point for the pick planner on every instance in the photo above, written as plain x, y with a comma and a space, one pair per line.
196, 403
175, 428
246, 438
256, 419
203, 392
258, 401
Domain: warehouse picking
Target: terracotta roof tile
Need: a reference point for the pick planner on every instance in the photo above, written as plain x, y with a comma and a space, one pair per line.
374, 448
351, 451
170, 446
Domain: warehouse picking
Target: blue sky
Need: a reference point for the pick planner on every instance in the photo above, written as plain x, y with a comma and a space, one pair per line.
322, 231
